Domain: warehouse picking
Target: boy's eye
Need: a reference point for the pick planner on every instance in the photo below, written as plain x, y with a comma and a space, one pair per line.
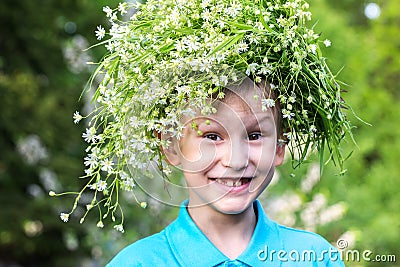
213, 137
254, 136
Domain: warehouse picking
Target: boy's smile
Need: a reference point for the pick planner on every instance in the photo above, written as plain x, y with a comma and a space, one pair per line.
228, 158
233, 182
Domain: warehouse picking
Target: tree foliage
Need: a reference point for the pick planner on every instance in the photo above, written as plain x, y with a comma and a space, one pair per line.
40, 147
367, 55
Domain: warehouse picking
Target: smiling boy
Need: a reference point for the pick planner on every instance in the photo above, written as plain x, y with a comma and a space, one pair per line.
227, 162
217, 88
228, 159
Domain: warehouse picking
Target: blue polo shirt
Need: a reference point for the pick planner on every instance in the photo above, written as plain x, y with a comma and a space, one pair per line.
183, 244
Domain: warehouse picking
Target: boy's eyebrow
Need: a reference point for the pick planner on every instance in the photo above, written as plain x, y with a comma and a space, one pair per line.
255, 120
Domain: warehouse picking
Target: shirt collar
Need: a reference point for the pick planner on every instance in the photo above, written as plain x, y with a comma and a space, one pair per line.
265, 234
185, 238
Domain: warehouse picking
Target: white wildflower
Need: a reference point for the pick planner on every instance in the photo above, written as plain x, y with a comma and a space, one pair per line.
77, 117
101, 185
327, 43
100, 32
242, 47
93, 186
107, 165
253, 39
122, 7
206, 15
251, 68
113, 17
233, 10
90, 135
312, 48
259, 25
224, 80
175, 16
281, 21
180, 45
286, 114
221, 24
88, 171
205, 3
119, 228
91, 161
185, 90
108, 11
277, 48
267, 103
64, 217
191, 43
265, 69
100, 224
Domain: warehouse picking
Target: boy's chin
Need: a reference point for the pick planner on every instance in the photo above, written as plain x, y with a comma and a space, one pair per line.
232, 207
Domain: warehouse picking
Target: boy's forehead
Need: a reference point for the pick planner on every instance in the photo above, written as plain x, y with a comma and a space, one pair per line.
239, 100
243, 99
235, 107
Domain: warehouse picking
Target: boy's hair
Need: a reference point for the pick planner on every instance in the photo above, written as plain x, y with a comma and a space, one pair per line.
277, 110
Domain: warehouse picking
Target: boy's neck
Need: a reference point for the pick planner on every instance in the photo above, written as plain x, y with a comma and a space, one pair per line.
230, 233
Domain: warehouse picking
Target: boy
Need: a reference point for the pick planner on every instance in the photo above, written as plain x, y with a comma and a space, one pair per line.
228, 160
218, 88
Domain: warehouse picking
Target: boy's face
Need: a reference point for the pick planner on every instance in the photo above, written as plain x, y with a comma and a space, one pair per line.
230, 157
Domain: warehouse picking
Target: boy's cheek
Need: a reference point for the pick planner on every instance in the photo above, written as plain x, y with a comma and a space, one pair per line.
198, 156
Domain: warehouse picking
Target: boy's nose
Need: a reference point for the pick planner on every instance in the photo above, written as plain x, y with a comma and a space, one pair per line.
236, 155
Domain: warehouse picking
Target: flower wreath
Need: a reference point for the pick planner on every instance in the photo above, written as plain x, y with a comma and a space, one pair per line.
173, 52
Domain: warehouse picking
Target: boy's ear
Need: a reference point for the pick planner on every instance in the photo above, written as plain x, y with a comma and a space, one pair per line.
172, 151
279, 153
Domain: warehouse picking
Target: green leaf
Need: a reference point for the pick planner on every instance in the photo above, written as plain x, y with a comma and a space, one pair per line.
228, 43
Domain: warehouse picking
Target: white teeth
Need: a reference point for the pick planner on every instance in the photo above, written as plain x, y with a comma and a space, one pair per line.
230, 183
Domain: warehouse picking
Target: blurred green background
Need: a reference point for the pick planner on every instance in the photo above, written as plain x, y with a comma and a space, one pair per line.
42, 74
